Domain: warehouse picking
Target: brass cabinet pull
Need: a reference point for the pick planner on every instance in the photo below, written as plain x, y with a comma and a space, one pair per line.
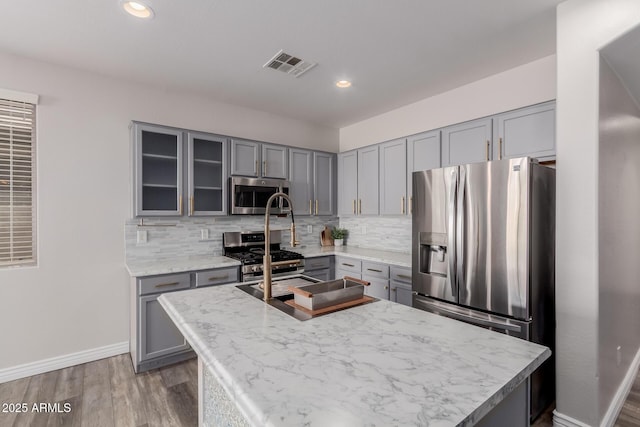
487, 149
180, 204
310, 207
164, 285
264, 167
360, 206
354, 206
191, 203
404, 276
411, 204
500, 152
316, 206
402, 205
211, 279
394, 289
348, 265
373, 269
256, 168
386, 287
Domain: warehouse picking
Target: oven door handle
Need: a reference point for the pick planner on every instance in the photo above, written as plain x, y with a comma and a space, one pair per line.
292, 263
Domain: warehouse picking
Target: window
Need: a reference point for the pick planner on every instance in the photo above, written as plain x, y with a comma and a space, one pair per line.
17, 179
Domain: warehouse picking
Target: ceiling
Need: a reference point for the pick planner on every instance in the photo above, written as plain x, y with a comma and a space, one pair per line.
395, 51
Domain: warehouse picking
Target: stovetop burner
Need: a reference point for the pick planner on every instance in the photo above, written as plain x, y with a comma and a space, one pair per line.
245, 247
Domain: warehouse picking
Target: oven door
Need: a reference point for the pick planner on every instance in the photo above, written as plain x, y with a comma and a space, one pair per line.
249, 195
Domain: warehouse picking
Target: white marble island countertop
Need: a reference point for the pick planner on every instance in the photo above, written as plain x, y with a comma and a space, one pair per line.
381, 364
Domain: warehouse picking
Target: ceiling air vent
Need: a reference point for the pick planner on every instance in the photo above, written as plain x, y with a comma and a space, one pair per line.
289, 64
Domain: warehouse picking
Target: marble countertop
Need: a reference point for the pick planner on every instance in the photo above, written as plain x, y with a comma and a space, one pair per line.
379, 364
150, 267
388, 257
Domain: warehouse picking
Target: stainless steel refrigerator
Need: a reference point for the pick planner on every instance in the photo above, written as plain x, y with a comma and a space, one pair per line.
483, 251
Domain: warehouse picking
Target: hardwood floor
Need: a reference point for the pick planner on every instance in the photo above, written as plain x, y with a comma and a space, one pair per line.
106, 393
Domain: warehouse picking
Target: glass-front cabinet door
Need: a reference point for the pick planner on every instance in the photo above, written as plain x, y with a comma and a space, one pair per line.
158, 172
206, 174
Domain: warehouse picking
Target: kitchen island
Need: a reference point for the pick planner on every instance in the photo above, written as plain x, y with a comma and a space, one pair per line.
379, 364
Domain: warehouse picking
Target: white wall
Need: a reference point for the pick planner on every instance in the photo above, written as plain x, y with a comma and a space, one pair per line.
76, 298
619, 233
527, 84
584, 26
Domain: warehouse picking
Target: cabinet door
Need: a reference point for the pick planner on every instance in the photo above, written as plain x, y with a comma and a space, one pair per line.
348, 180
393, 177
528, 131
368, 168
324, 274
468, 142
324, 183
423, 152
401, 293
158, 156
300, 181
244, 157
378, 288
207, 174
157, 334
274, 161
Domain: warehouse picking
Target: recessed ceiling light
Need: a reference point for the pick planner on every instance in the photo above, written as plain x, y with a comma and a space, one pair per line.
138, 9
343, 83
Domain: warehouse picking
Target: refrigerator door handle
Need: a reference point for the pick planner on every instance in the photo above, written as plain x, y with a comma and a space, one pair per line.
451, 235
459, 218
464, 315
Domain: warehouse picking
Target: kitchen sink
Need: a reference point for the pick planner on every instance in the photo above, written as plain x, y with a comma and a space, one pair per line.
281, 293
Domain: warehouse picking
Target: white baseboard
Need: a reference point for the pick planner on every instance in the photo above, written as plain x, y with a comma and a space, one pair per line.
609, 419
562, 420
615, 407
60, 362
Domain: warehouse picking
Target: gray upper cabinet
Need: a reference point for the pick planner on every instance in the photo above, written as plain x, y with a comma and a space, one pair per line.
527, 131
393, 177
312, 180
324, 183
368, 196
348, 179
207, 174
467, 142
158, 180
250, 158
301, 181
274, 161
245, 157
423, 152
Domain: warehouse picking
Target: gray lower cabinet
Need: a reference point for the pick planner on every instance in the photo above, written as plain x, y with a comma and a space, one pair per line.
320, 268
400, 282
377, 274
527, 131
154, 339
467, 142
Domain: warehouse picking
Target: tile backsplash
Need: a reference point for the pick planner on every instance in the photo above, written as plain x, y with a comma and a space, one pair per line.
171, 237
376, 232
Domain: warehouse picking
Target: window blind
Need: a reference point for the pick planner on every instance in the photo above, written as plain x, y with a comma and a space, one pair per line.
17, 208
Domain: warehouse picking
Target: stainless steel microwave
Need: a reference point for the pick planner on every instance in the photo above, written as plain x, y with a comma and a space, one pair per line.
249, 195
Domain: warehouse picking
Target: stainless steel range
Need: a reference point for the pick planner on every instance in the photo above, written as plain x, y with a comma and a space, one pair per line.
248, 248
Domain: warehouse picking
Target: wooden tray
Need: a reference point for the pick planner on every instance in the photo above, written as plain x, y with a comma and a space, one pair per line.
365, 299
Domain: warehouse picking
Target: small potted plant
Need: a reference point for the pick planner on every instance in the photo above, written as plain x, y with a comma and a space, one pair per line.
338, 235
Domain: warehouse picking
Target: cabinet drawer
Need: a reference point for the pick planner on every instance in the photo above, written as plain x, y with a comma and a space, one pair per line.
342, 273
378, 288
374, 269
166, 283
317, 263
349, 264
216, 277
401, 274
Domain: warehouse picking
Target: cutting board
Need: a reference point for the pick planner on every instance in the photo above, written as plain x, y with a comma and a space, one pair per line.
325, 237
